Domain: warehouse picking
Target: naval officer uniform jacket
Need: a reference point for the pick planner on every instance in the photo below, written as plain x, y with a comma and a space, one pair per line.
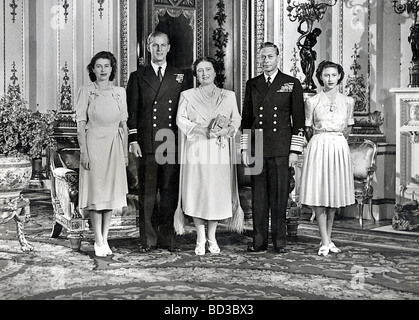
277, 112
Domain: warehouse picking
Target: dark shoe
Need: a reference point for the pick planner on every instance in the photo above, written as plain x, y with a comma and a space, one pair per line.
174, 249
280, 250
143, 248
252, 248
170, 248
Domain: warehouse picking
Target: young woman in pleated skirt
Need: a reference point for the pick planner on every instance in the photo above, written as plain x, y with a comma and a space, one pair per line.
327, 176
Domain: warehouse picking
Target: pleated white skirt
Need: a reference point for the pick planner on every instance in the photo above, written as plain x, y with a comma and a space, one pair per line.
327, 175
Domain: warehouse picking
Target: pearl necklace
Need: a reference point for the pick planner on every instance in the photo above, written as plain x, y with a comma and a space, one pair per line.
207, 96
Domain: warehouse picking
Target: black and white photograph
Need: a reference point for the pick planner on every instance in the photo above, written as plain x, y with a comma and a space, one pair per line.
209, 158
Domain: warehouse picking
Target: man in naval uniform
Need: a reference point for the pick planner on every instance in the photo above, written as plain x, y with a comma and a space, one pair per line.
273, 109
152, 96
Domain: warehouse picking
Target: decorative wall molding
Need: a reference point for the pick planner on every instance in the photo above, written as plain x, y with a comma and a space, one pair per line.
3, 51
259, 16
58, 61
101, 9
123, 46
199, 28
93, 27
66, 53
341, 33
355, 84
369, 60
245, 44
13, 89
66, 95
295, 62
65, 7
177, 3
357, 19
282, 32
220, 41
14, 6
13, 50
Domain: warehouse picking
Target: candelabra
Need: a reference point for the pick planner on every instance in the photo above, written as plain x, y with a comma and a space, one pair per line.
412, 8
307, 13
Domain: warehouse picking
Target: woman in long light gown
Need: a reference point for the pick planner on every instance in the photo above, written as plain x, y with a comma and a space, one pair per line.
208, 117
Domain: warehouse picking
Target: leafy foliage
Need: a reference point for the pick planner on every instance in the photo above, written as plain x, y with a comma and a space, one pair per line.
220, 37
23, 132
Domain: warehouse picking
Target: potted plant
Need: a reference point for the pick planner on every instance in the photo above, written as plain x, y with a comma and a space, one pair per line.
23, 137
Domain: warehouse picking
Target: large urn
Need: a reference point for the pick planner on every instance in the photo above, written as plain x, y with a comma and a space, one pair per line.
15, 174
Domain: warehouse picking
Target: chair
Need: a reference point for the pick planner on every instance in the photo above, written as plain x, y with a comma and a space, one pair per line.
363, 156
64, 161
64, 165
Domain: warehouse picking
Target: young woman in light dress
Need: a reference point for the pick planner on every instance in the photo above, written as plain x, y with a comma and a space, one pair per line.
327, 176
101, 112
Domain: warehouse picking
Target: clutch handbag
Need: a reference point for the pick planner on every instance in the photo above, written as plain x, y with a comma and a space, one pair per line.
220, 122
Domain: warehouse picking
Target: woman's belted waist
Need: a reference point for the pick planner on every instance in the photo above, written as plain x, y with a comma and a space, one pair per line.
111, 129
335, 133
104, 131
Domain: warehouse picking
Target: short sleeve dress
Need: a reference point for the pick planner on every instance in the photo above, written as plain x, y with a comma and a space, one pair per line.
104, 186
327, 174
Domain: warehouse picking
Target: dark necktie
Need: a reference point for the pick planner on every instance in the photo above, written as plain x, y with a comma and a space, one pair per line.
269, 82
160, 75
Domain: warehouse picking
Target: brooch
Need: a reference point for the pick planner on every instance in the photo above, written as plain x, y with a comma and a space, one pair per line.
115, 95
93, 95
332, 107
179, 77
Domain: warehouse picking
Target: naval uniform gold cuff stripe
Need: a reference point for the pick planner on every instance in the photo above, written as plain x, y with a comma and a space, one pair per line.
244, 141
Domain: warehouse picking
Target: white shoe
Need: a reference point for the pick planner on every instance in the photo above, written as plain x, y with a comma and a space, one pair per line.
333, 248
99, 251
213, 247
107, 250
200, 248
323, 251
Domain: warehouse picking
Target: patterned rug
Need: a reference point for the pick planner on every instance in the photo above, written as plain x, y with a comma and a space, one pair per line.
371, 266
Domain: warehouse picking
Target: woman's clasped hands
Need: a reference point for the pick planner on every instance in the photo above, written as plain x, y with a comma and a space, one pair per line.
221, 134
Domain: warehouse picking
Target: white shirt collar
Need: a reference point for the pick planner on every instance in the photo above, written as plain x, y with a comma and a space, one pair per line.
156, 67
272, 76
